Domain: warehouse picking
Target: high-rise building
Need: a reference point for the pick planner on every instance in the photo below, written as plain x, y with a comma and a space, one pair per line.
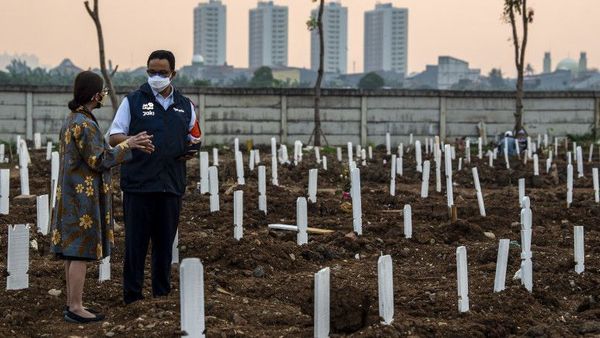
210, 22
582, 63
268, 35
547, 63
335, 26
386, 39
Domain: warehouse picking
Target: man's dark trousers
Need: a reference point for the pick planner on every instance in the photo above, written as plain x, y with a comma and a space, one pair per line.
149, 217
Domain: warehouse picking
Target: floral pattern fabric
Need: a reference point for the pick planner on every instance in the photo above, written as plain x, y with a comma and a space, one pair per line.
82, 222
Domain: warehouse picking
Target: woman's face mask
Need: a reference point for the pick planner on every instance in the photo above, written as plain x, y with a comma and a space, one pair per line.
99, 98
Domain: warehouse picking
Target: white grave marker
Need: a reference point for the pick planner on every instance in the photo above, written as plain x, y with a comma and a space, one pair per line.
418, 156
215, 153
356, 201
42, 214
203, 172
521, 191
251, 160
54, 170
24, 170
175, 249
425, 182
2, 151
312, 185
393, 174
388, 144
239, 168
318, 155
536, 165
596, 185
262, 189
478, 191
48, 151
579, 249
18, 257
324, 162
213, 180
579, 155
4, 191
191, 279
339, 154
104, 269
301, 221
385, 278
321, 306
274, 177
462, 279
591, 153
569, 185
37, 141
407, 221
370, 153
238, 214
501, 264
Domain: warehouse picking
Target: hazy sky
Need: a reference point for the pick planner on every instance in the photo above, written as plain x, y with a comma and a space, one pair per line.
468, 29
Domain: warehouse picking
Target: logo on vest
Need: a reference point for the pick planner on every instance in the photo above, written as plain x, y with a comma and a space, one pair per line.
148, 109
179, 110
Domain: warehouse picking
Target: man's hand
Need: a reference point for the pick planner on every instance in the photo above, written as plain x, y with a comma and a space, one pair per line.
141, 141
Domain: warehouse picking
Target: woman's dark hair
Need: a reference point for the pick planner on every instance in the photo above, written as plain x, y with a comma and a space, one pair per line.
87, 84
162, 55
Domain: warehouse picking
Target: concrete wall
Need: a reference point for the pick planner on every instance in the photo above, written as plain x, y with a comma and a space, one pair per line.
346, 115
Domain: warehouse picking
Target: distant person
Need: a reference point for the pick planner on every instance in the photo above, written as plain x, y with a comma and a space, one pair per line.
153, 184
522, 139
510, 142
82, 223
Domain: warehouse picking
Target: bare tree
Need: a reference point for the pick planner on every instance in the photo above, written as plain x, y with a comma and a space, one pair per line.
317, 23
514, 11
95, 15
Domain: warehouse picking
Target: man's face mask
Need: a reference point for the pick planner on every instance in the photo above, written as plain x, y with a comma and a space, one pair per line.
159, 81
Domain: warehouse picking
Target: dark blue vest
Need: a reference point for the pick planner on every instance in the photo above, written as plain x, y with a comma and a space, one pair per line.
161, 171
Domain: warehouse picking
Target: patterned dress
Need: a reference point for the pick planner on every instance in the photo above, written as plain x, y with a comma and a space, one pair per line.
82, 222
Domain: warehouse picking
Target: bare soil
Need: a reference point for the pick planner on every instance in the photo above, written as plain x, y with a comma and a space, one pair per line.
262, 286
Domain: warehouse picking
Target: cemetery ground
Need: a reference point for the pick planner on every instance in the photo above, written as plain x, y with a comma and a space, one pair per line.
262, 286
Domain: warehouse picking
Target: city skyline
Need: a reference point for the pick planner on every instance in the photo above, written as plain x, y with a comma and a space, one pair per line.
477, 33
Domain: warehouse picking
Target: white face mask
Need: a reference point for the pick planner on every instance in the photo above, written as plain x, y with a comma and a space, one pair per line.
158, 82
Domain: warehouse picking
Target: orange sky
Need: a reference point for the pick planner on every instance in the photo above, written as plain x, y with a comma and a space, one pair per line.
467, 29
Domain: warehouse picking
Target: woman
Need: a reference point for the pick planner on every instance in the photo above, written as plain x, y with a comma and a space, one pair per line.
82, 223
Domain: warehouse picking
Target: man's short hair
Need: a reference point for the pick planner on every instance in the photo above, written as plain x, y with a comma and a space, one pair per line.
162, 55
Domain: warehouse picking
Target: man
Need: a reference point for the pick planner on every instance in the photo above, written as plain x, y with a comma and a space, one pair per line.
510, 142
153, 184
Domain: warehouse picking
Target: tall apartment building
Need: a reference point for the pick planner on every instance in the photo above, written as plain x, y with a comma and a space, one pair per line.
335, 26
386, 39
268, 35
210, 31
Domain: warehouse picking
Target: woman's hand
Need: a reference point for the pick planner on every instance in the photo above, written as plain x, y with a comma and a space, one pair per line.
141, 141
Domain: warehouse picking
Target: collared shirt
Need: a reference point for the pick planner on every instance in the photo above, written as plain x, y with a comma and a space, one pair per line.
120, 124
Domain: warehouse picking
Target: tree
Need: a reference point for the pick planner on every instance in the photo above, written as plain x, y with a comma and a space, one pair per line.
371, 81
496, 78
263, 78
317, 23
517, 10
95, 15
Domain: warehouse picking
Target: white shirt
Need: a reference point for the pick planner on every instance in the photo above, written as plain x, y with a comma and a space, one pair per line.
120, 124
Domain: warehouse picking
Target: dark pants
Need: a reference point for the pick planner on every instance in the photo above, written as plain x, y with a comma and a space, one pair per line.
148, 217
